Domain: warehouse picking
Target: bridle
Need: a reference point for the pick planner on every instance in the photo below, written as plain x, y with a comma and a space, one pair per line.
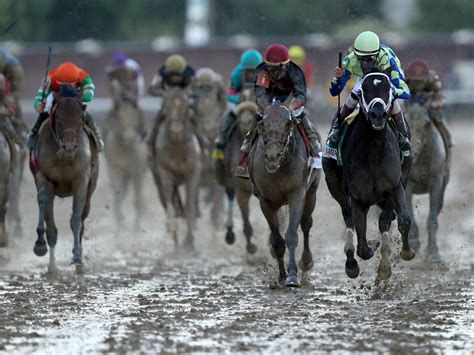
53, 126
275, 137
368, 106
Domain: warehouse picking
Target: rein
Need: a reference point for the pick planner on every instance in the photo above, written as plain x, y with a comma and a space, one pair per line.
53, 128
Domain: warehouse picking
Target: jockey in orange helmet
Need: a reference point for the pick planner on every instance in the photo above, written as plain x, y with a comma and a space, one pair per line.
65, 74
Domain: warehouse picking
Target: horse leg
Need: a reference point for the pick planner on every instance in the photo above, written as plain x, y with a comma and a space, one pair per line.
436, 204
51, 233
385, 220
229, 224
306, 263
243, 201
138, 189
79, 201
3, 212
43, 187
192, 191
167, 190
295, 204
359, 213
14, 199
277, 242
117, 182
216, 200
414, 236
404, 222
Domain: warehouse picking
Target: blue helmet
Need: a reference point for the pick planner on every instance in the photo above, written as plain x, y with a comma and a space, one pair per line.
250, 59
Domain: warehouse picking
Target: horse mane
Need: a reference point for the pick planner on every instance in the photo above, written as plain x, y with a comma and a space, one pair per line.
68, 91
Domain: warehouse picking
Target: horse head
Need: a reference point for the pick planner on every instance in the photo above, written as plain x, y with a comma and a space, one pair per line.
276, 129
176, 110
376, 98
420, 124
68, 118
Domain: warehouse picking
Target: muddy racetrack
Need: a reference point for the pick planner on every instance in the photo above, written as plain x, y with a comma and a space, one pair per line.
139, 295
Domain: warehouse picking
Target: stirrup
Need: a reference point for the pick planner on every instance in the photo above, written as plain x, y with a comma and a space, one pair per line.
242, 172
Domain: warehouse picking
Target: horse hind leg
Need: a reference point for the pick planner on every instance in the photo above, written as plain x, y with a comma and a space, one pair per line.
306, 263
243, 201
40, 247
414, 235
52, 236
295, 203
229, 224
436, 204
404, 222
385, 271
76, 222
3, 212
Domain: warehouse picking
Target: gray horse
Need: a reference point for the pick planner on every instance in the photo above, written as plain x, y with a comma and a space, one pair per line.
176, 160
235, 186
126, 155
428, 174
65, 164
280, 176
14, 213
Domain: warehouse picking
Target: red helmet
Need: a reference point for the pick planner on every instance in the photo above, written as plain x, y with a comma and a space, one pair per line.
276, 54
417, 70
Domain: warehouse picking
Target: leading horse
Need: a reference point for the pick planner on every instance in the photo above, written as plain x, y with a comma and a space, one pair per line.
64, 163
280, 176
371, 174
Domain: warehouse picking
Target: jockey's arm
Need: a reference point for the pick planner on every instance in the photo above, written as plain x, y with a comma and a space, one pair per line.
41, 95
402, 91
87, 89
299, 85
156, 88
338, 84
437, 98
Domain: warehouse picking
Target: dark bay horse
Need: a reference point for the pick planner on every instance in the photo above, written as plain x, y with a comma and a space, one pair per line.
236, 187
428, 174
65, 164
176, 160
371, 174
280, 176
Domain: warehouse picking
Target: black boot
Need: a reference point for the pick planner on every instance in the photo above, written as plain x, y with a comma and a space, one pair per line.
337, 121
403, 137
91, 124
33, 136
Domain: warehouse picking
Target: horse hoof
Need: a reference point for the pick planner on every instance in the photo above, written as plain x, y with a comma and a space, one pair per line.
40, 249
80, 269
292, 281
248, 231
306, 266
230, 237
77, 261
365, 254
414, 243
434, 259
407, 255
52, 270
353, 273
373, 244
251, 248
385, 274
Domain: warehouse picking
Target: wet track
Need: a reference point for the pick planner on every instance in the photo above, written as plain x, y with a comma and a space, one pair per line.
138, 294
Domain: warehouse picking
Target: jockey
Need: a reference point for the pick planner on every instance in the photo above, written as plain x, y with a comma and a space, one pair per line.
276, 78
11, 68
369, 53
298, 56
425, 88
174, 73
243, 73
207, 81
65, 74
125, 79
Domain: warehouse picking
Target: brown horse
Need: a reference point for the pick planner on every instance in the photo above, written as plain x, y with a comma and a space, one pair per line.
6, 154
176, 160
65, 164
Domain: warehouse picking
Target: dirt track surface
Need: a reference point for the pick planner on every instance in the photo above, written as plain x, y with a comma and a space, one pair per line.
139, 295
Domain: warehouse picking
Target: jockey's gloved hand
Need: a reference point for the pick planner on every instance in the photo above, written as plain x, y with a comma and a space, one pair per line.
296, 108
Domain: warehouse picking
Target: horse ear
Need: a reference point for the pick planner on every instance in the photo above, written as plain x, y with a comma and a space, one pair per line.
84, 106
56, 96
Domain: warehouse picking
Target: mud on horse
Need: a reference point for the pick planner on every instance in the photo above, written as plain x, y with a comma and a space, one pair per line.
66, 165
371, 173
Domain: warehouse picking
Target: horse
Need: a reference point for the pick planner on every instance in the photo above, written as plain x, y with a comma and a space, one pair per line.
208, 110
176, 160
126, 155
6, 169
278, 169
371, 174
64, 163
235, 186
428, 175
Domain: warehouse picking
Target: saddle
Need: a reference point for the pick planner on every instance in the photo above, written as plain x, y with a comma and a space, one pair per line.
334, 151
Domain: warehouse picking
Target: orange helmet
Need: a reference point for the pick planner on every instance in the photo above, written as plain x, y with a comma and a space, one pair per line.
67, 73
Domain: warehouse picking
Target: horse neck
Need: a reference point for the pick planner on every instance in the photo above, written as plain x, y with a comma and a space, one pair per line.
369, 136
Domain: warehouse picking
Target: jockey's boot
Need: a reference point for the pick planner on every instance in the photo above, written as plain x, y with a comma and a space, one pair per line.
315, 146
403, 138
440, 123
242, 170
91, 124
222, 135
33, 136
337, 121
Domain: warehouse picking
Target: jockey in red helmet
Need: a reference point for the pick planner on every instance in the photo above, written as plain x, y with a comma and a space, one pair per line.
277, 78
